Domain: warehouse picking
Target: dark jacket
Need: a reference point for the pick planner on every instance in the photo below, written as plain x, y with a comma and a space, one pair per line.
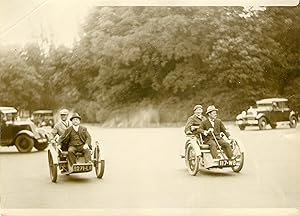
83, 134
193, 121
218, 128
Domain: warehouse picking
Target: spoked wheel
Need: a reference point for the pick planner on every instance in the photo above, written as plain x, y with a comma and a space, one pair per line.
52, 168
24, 143
239, 157
99, 164
293, 122
191, 160
262, 123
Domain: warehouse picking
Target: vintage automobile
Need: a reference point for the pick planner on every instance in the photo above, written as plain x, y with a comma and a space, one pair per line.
270, 111
43, 118
197, 154
57, 160
21, 133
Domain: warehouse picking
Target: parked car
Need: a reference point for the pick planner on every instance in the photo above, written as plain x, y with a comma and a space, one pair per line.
269, 111
21, 133
43, 118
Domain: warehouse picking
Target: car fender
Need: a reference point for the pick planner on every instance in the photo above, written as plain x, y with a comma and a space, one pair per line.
27, 132
194, 144
53, 153
259, 115
293, 113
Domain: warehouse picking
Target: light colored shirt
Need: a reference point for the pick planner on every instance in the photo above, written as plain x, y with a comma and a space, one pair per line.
75, 127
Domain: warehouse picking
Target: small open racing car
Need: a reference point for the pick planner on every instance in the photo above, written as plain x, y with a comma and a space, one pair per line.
197, 154
57, 159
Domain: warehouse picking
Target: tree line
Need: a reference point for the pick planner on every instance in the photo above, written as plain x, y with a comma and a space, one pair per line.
153, 64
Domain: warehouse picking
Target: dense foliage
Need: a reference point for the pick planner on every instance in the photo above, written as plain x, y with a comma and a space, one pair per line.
153, 64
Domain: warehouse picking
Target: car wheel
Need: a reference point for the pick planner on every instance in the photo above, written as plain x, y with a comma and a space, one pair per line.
262, 123
242, 127
99, 164
191, 160
293, 122
273, 125
52, 168
24, 143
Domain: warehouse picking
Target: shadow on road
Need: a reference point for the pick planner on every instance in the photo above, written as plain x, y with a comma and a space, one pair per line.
216, 172
79, 178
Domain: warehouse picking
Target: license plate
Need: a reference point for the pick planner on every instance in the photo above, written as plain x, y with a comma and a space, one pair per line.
227, 163
82, 168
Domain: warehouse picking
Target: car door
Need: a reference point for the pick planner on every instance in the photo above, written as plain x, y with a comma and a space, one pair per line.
5, 133
285, 111
275, 113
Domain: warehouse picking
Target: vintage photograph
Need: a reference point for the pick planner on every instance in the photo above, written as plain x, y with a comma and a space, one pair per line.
112, 109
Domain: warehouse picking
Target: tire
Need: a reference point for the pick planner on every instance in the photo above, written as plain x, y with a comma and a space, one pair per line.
41, 146
239, 167
237, 152
273, 125
24, 143
191, 160
293, 122
99, 164
242, 127
52, 168
262, 123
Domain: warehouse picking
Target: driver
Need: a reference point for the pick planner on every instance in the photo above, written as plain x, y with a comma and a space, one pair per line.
77, 139
214, 125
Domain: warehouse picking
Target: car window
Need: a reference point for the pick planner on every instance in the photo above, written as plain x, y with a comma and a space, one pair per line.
283, 105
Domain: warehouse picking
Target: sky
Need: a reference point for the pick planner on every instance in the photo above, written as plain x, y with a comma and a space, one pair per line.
23, 21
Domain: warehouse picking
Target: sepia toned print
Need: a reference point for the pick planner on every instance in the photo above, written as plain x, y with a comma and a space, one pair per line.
122, 109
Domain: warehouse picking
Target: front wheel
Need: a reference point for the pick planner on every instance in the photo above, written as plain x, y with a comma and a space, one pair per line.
191, 160
52, 168
262, 123
24, 143
293, 122
41, 146
99, 164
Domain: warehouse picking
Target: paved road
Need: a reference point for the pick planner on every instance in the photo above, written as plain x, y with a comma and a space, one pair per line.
143, 170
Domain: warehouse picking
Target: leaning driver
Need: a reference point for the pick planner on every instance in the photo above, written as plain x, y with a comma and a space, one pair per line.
78, 139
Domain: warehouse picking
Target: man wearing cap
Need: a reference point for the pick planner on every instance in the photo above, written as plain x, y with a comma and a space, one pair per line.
60, 127
193, 123
214, 125
78, 139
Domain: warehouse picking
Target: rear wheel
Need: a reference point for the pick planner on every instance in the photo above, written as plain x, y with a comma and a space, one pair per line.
242, 127
239, 157
191, 160
52, 168
273, 125
99, 164
293, 122
262, 123
24, 143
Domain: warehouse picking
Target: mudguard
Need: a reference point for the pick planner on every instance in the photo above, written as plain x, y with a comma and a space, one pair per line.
53, 152
193, 141
97, 143
27, 132
241, 145
259, 115
293, 113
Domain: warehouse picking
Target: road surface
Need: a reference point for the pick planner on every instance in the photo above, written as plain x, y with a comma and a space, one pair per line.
144, 170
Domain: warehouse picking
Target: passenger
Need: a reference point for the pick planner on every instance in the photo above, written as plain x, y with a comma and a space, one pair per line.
193, 123
60, 127
77, 139
214, 125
